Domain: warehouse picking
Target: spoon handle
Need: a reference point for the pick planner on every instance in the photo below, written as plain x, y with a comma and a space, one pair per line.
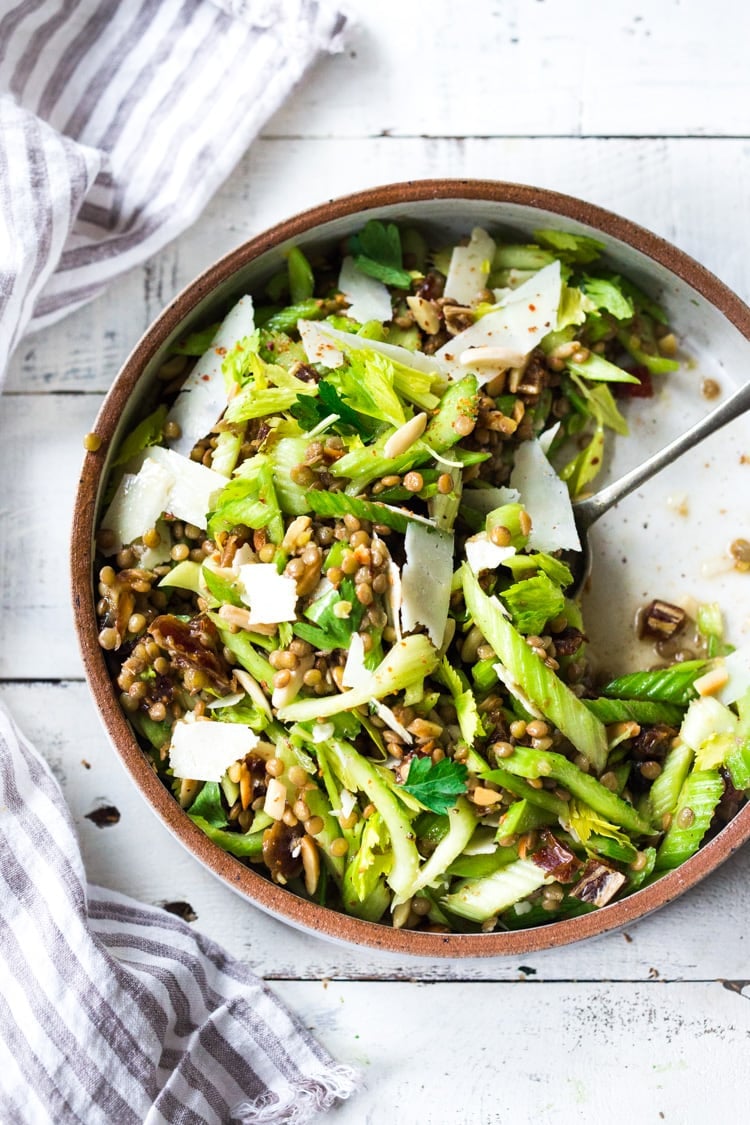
589, 510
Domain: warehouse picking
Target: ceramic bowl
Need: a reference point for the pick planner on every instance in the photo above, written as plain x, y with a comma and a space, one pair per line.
669, 539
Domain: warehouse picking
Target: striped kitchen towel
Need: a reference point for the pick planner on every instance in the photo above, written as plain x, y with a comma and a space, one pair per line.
119, 119
115, 1013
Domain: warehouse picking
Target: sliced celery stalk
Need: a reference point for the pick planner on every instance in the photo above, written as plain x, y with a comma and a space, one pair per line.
543, 763
522, 816
665, 790
477, 866
480, 899
462, 824
359, 774
540, 798
553, 698
700, 794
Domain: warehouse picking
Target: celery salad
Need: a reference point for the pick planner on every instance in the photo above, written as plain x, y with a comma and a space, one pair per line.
332, 573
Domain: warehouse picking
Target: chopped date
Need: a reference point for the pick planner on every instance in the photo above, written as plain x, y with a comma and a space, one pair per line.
193, 644
182, 910
281, 851
731, 800
556, 859
642, 389
568, 642
599, 883
652, 743
104, 817
662, 619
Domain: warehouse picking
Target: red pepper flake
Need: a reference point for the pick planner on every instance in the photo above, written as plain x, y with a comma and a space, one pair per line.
220, 351
532, 308
206, 378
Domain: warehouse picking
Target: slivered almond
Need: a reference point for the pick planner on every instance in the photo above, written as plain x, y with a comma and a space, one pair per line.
712, 682
253, 689
501, 357
425, 314
235, 615
310, 863
275, 801
405, 436
484, 797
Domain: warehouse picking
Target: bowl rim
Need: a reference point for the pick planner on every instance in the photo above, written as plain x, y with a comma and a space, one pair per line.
254, 887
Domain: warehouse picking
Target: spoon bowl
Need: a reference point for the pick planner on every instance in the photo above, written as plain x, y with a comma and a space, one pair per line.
589, 509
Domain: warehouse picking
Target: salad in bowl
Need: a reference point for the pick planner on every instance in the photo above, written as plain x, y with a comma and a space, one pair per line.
333, 579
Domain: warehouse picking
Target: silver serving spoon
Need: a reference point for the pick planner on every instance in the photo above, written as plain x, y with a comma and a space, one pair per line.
587, 512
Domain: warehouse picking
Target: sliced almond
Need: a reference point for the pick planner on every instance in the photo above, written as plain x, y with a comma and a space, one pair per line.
405, 436
484, 797
310, 863
275, 801
712, 682
425, 314
499, 357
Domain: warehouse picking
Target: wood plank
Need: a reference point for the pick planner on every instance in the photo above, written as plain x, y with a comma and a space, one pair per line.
491, 1054
41, 453
523, 68
663, 184
700, 936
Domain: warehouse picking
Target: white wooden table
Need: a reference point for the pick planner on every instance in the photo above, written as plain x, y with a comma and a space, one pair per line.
639, 107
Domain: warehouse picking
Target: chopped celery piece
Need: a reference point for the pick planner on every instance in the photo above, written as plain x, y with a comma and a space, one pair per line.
656, 364
597, 367
540, 684
480, 899
148, 432
408, 660
738, 759
514, 257
462, 821
543, 763
460, 403
665, 790
246, 653
621, 851
286, 455
520, 919
699, 796
484, 675
357, 773
301, 280
637, 878
185, 576
339, 504
236, 843
539, 798
641, 711
533, 602
477, 866
521, 817
667, 685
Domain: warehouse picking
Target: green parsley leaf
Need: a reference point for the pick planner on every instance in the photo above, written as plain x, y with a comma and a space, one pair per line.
436, 785
377, 252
